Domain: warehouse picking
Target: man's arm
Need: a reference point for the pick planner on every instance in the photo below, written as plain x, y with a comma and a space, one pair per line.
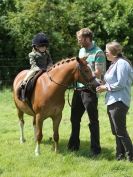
100, 65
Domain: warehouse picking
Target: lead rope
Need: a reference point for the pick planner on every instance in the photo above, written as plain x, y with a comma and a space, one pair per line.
71, 88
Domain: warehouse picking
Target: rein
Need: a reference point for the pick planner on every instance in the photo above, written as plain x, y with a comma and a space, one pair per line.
87, 84
79, 67
50, 78
60, 84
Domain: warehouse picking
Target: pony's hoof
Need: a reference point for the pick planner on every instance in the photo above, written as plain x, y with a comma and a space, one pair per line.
37, 153
56, 151
55, 148
22, 141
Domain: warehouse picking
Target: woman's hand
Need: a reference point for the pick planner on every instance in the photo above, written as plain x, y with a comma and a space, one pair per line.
101, 88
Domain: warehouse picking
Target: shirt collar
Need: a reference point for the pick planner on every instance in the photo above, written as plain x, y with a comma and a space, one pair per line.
92, 47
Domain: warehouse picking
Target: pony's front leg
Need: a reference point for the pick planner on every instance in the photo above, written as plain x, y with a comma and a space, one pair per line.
21, 124
39, 124
56, 123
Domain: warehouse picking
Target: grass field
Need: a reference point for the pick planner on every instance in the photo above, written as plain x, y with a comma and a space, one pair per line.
18, 160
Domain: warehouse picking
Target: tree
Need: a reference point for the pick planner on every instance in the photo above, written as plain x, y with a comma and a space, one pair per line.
21, 20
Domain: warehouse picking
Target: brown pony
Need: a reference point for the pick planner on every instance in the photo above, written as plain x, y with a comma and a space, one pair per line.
48, 96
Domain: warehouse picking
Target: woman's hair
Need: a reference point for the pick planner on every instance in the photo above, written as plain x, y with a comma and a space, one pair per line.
116, 50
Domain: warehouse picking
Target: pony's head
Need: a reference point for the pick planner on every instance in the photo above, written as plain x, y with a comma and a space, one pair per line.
84, 73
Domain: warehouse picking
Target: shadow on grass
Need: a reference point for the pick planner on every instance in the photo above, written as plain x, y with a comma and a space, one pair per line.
84, 150
1, 171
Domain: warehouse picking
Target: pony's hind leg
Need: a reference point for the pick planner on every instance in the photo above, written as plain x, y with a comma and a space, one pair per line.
21, 124
56, 123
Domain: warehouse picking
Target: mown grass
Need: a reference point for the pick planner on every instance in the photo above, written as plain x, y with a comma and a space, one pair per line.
18, 160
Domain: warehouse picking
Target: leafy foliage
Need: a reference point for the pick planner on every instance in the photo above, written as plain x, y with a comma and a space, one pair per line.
20, 20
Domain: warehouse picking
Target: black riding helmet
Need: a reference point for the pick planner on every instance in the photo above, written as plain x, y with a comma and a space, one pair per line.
40, 39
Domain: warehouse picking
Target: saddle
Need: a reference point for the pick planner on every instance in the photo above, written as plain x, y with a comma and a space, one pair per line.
25, 91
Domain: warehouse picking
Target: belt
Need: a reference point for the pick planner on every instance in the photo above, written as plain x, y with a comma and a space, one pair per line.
84, 90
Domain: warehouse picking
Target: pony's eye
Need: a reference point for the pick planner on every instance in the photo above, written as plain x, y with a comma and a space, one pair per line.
86, 70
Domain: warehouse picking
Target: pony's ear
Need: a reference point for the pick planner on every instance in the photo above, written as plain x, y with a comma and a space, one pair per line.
78, 59
84, 58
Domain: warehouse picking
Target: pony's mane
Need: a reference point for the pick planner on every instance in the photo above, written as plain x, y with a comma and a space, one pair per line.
63, 61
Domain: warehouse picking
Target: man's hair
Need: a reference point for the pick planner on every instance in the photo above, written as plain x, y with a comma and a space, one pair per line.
85, 32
